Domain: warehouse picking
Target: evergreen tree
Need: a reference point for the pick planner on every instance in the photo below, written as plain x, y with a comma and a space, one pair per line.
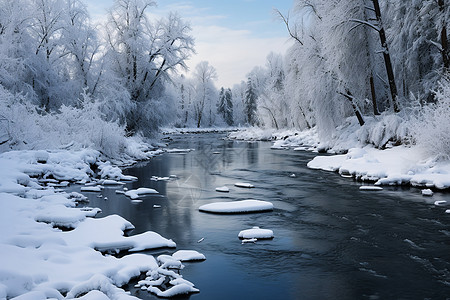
225, 107
229, 107
250, 103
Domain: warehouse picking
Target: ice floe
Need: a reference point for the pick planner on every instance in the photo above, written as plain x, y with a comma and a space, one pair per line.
242, 206
135, 194
96, 188
427, 192
370, 188
244, 185
223, 189
188, 255
252, 240
256, 233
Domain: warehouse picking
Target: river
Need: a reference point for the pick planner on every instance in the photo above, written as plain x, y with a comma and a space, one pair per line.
332, 241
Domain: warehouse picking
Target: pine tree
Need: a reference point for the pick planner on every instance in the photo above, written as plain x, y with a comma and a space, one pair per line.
250, 103
225, 107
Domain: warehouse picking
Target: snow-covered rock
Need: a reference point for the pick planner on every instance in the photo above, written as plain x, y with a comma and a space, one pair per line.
370, 188
427, 192
223, 189
135, 194
243, 206
244, 185
256, 233
188, 255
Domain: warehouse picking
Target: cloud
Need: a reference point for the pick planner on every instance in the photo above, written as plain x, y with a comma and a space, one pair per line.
234, 53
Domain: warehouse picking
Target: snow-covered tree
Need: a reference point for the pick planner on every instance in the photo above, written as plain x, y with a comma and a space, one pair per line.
206, 93
225, 107
143, 54
250, 104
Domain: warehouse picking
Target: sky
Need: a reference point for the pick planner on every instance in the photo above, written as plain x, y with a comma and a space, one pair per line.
234, 36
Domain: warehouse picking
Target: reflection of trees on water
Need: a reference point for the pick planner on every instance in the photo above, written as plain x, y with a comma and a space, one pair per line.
252, 153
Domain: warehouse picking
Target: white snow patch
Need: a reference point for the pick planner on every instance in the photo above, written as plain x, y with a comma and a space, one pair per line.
256, 233
395, 166
135, 194
96, 188
242, 206
244, 185
427, 192
188, 255
246, 241
440, 202
370, 188
223, 189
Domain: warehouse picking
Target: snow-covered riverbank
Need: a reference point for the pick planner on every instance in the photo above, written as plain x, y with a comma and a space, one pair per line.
399, 165
50, 248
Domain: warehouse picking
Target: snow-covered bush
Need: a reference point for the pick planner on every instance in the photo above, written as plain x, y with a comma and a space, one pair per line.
22, 126
432, 129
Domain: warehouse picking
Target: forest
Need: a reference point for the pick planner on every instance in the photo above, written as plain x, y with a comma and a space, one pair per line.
368, 70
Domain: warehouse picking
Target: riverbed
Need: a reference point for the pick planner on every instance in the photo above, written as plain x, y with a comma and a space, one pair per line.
332, 240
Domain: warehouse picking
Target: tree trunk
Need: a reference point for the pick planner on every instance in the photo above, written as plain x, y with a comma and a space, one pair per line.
387, 57
350, 98
374, 97
444, 39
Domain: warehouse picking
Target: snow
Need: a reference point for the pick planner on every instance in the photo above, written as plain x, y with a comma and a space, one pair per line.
440, 202
242, 206
256, 233
252, 240
188, 255
244, 185
395, 166
111, 182
96, 188
177, 150
427, 192
370, 188
156, 178
39, 261
223, 189
135, 194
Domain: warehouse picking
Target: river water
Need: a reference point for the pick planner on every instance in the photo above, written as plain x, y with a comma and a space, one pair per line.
332, 241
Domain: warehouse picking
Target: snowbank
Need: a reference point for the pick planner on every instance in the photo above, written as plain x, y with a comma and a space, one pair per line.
198, 130
396, 166
283, 138
38, 260
243, 206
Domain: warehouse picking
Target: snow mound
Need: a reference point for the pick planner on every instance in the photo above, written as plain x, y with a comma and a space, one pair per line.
427, 192
96, 188
223, 189
111, 182
244, 185
188, 255
243, 206
256, 233
440, 202
135, 194
370, 188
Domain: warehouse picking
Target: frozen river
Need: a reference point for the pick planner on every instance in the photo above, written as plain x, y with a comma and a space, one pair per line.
332, 241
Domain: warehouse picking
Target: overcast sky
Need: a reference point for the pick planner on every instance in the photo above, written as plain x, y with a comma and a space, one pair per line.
232, 35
